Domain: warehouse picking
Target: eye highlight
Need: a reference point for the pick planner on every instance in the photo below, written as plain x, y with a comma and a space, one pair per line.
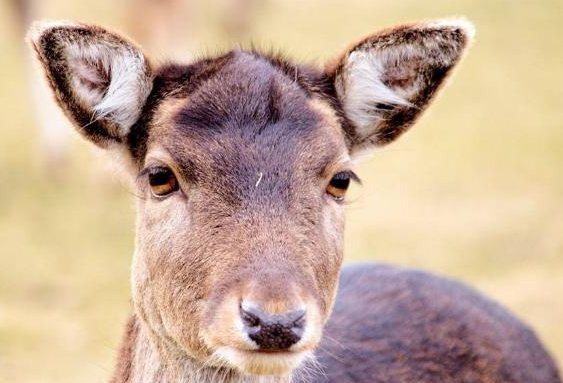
339, 184
162, 181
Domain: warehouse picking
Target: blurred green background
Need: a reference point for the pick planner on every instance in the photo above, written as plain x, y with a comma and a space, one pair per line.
474, 191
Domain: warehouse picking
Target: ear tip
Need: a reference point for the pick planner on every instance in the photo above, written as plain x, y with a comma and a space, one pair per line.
40, 28
461, 24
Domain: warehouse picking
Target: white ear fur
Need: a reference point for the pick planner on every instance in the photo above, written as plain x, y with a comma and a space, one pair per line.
394, 71
364, 91
107, 75
122, 99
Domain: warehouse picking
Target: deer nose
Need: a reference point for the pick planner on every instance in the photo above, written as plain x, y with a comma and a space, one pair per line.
273, 332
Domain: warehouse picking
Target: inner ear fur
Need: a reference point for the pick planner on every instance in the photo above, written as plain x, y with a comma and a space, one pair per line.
100, 79
386, 81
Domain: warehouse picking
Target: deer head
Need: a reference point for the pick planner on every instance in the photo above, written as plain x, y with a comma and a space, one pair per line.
241, 163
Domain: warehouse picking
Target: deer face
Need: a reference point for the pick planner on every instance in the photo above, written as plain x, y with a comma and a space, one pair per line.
238, 232
241, 164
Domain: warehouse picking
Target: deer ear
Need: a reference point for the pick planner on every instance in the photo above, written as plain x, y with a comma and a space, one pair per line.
99, 79
387, 80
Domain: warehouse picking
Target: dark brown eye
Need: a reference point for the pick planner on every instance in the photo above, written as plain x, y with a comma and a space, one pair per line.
338, 185
162, 181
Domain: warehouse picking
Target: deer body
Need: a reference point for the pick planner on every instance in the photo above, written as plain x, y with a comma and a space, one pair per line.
392, 324
241, 163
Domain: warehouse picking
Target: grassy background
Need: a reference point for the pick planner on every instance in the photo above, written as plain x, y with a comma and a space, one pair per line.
475, 191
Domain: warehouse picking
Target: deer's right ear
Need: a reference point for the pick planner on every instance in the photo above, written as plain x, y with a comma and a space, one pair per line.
100, 80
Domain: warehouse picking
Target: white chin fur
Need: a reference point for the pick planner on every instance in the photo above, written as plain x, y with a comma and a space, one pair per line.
259, 363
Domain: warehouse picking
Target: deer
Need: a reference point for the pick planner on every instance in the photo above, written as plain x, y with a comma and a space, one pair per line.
240, 163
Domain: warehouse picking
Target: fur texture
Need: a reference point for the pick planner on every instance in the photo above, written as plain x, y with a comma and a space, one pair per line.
424, 328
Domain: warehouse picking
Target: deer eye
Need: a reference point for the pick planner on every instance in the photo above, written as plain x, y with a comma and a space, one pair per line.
339, 184
162, 181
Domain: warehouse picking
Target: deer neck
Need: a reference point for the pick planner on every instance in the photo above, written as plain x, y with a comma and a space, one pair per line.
141, 361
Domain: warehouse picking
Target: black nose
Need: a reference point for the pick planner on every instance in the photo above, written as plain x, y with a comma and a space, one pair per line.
273, 332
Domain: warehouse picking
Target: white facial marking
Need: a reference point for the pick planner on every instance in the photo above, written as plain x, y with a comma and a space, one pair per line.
260, 175
259, 363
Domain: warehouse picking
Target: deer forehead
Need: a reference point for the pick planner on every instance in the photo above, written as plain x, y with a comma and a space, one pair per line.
250, 116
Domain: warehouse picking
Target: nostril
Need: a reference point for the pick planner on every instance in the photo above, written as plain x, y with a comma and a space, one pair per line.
249, 319
298, 318
273, 331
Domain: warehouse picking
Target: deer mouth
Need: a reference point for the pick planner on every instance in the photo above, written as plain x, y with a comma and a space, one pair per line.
245, 356
256, 362
262, 338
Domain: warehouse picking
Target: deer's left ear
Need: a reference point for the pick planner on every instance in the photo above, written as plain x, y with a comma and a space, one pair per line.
387, 80
100, 79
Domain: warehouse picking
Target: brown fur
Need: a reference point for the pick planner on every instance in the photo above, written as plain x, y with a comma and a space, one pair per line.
253, 141
392, 324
